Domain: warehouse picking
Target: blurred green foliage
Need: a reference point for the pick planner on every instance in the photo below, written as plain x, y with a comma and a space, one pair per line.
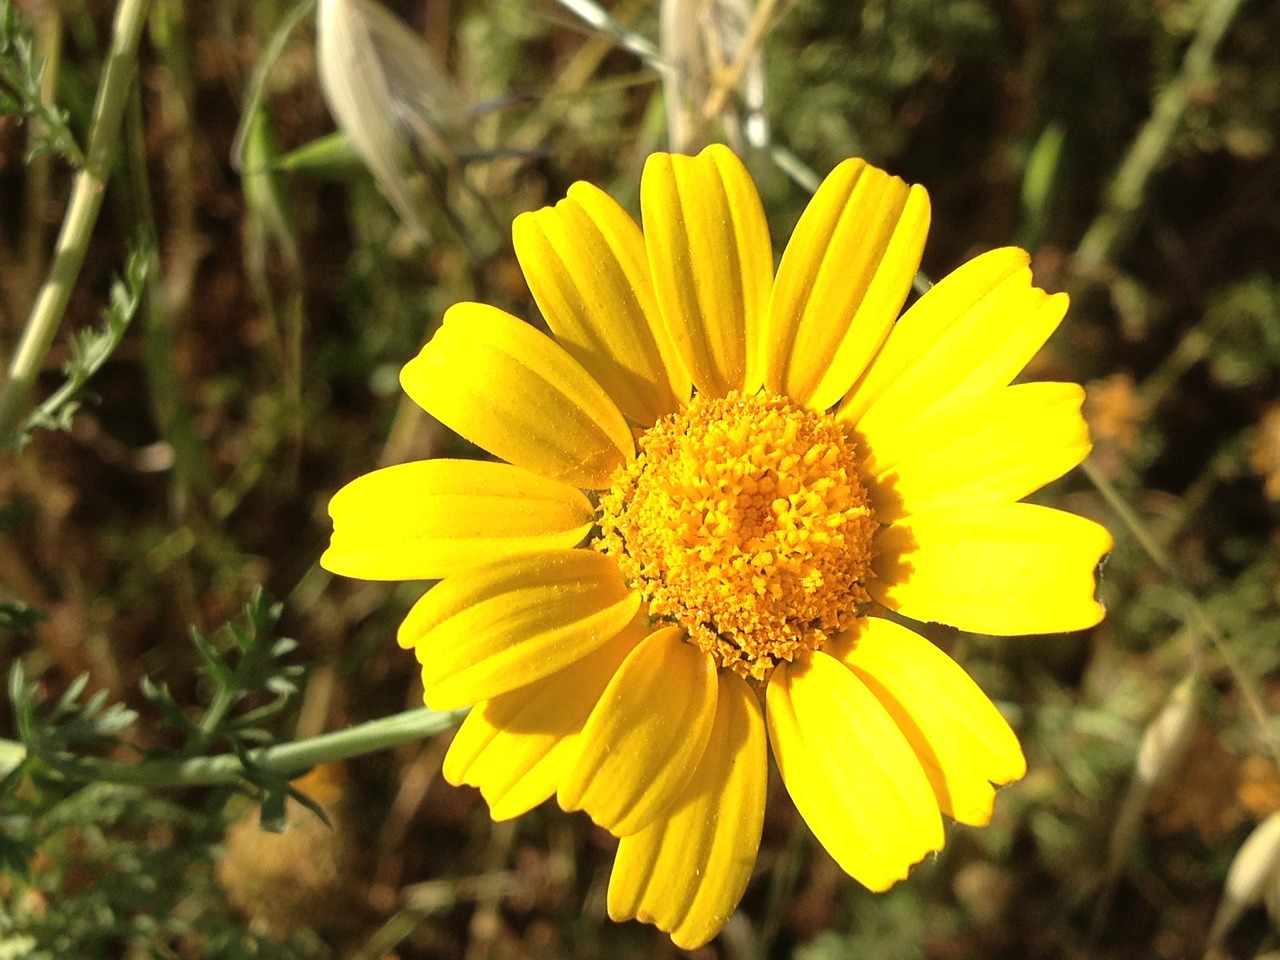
280, 300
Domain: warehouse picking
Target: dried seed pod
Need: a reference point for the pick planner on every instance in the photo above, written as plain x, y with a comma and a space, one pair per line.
1165, 741
399, 108
1164, 744
1255, 869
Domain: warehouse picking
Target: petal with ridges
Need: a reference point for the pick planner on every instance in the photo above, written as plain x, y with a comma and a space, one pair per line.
514, 621
995, 447
712, 263
1007, 569
646, 735
516, 746
972, 332
513, 391
842, 281
958, 292
687, 870
851, 772
963, 742
428, 519
586, 265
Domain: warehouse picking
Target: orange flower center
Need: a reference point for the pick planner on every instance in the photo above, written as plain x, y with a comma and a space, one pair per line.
743, 520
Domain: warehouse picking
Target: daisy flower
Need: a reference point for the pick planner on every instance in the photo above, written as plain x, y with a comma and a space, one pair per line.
711, 489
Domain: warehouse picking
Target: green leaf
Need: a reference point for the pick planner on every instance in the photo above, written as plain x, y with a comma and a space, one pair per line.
90, 349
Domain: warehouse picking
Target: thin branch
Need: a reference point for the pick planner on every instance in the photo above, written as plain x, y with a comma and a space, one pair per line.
728, 80
1129, 185
82, 214
286, 759
1194, 615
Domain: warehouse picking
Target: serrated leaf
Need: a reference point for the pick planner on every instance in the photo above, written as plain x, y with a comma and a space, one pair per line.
282, 685
72, 693
90, 349
95, 702
151, 690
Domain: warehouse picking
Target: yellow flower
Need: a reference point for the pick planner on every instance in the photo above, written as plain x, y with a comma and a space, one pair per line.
769, 463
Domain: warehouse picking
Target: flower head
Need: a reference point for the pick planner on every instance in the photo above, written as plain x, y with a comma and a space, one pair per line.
716, 483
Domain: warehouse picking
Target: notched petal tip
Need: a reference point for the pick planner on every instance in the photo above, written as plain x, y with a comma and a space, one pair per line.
963, 742
843, 278
428, 519
997, 446
712, 264
1005, 569
973, 331
850, 770
646, 735
586, 266
686, 872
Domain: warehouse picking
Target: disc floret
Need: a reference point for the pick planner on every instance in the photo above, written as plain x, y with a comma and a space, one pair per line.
742, 519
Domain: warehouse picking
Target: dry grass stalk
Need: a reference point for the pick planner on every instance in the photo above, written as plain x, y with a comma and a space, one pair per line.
398, 106
712, 47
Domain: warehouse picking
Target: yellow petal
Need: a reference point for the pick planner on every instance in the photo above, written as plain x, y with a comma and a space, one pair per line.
516, 746
851, 772
645, 736
974, 331
963, 742
1006, 569
687, 870
514, 621
586, 265
507, 388
843, 279
997, 446
712, 263
426, 520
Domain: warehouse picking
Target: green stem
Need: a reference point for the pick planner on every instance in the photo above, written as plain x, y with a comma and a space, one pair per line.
223, 701
82, 214
1194, 615
285, 758
1124, 196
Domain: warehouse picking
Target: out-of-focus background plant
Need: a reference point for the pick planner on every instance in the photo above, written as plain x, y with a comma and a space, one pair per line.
206, 295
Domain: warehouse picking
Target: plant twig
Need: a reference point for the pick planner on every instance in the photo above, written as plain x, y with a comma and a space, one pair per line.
1125, 193
285, 759
728, 80
1194, 615
598, 18
82, 214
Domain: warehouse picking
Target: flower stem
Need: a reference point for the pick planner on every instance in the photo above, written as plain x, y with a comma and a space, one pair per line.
1195, 616
285, 758
1149, 147
82, 214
